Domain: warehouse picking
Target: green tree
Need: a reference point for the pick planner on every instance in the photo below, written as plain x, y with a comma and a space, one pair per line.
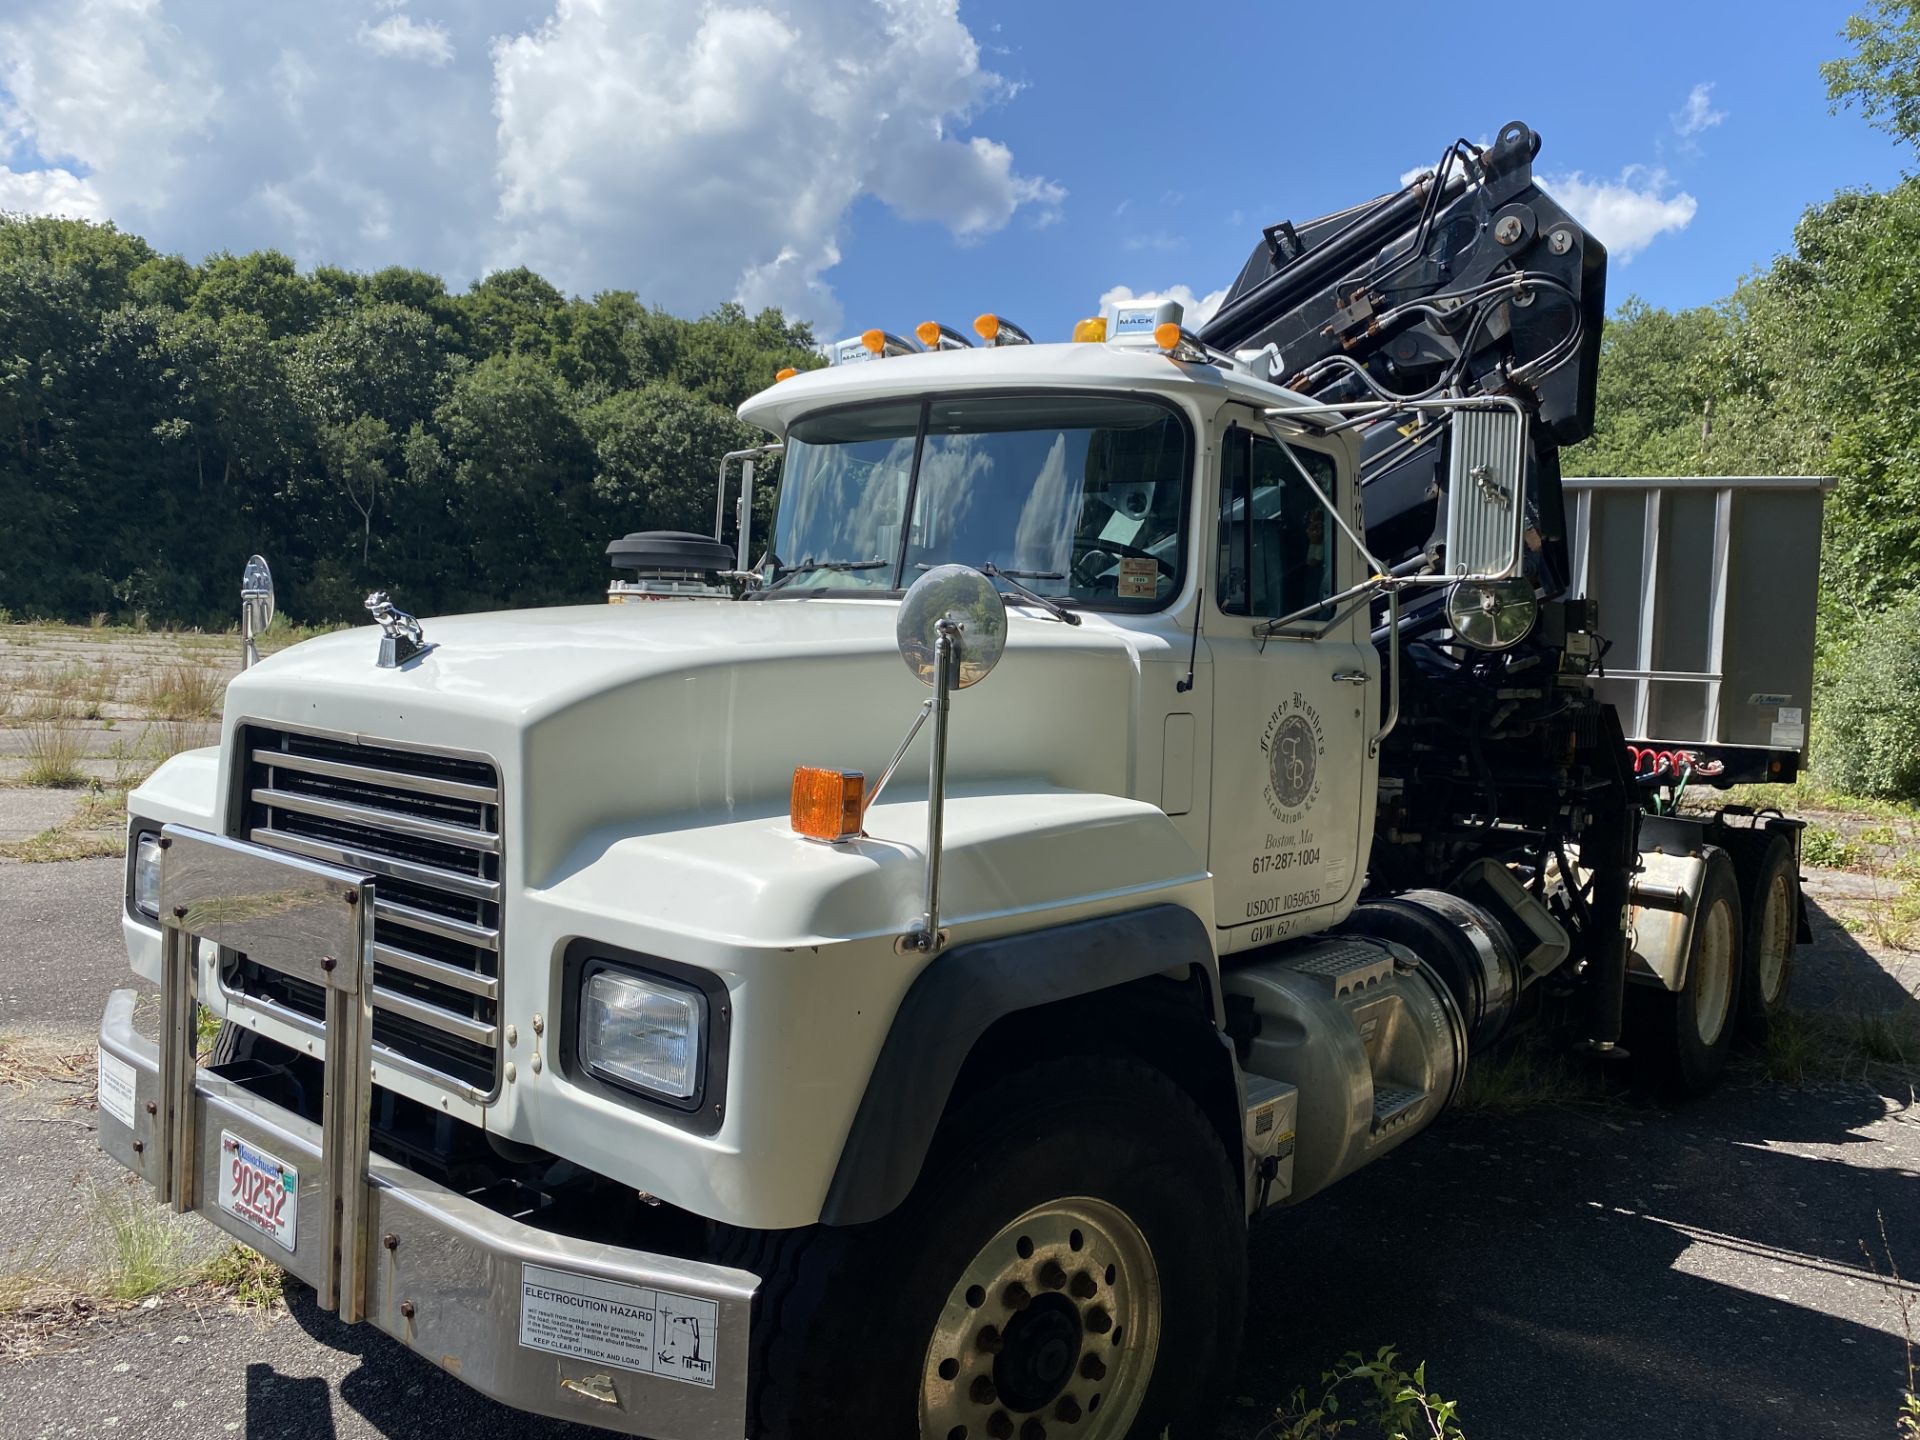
1882, 75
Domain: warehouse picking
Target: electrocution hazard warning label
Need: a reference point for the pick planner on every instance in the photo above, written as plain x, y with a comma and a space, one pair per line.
610, 1323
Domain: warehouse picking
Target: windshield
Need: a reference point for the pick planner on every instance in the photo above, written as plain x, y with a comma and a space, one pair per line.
1078, 497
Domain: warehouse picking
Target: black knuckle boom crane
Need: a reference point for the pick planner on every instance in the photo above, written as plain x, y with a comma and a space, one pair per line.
1473, 282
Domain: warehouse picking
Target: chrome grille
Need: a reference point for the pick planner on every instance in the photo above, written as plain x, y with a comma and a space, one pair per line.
427, 827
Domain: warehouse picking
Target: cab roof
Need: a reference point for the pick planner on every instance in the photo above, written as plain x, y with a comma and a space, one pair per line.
1087, 366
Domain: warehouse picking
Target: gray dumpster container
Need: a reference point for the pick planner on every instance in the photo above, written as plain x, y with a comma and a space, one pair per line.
1707, 587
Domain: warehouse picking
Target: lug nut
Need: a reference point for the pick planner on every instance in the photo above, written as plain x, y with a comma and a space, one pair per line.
1068, 1410
1033, 1429
999, 1426
982, 1392
1016, 1296
1098, 1321
991, 1341
1083, 1287
1092, 1368
1052, 1276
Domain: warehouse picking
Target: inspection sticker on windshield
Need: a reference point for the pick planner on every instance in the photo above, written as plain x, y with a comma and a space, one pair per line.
1139, 577
258, 1190
610, 1323
116, 1088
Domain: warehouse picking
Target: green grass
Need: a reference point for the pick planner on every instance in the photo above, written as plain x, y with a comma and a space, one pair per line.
54, 749
1524, 1075
148, 1252
1809, 1047
1828, 849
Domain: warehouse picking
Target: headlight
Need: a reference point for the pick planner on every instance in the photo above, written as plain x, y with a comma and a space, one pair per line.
642, 1033
146, 875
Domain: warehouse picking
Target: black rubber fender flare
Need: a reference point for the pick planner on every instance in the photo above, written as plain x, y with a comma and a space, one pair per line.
954, 1000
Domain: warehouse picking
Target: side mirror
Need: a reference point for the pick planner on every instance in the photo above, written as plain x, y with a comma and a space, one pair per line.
952, 631
1487, 492
960, 605
256, 606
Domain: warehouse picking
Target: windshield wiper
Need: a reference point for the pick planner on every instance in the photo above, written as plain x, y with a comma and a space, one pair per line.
808, 566
1032, 597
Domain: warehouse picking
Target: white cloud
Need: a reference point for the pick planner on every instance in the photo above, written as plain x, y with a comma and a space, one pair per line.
723, 147
1627, 213
1407, 177
49, 192
1697, 113
1198, 311
693, 153
401, 37
106, 84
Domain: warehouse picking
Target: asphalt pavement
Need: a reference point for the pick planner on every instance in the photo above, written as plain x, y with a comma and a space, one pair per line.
1622, 1269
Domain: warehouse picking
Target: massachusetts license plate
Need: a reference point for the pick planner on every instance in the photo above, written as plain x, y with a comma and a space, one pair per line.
259, 1190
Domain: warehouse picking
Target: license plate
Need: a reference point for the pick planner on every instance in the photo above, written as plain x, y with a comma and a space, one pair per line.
259, 1190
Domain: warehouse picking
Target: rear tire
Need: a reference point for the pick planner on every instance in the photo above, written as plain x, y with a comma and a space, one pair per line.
1683, 1038
1772, 905
1072, 1261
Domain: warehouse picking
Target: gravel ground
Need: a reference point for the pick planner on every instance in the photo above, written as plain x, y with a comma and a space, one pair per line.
1579, 1271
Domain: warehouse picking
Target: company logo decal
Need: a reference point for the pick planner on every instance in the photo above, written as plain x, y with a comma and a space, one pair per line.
1293, 742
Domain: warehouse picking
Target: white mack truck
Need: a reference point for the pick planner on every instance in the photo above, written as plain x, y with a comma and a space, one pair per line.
637, 1011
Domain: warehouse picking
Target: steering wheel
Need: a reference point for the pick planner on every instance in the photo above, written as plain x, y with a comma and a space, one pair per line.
1085, 547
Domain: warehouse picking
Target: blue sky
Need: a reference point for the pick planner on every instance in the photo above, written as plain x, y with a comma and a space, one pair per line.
880, 162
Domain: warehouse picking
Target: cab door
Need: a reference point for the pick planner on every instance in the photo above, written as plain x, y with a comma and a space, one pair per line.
1294, 712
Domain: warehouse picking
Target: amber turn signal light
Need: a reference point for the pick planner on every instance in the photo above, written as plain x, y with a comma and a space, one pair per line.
786, 372
929, 333
1090, 332
826, 803
1167, 336
987, 327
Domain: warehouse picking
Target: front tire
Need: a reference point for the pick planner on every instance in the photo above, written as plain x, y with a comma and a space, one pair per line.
1071, 1263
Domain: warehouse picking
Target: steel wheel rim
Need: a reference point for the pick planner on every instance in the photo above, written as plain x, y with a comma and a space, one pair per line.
1776, 938
1713, 974
1052, 1329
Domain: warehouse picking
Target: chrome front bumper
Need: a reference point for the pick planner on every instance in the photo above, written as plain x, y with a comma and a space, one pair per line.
588, 1332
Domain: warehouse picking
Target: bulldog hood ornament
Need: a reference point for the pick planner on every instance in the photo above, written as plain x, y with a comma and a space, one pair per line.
403, 640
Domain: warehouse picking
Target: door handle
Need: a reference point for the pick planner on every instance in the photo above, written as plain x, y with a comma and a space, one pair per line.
1351, 677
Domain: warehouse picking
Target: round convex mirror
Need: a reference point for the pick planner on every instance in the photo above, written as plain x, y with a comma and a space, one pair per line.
256, 592
965, 597
1492, 614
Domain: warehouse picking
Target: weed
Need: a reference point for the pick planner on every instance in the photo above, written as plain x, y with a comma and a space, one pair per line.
53, 750
46, 705
1906, 1424
1394, 1403
1806, 1047
182, 692
28, 1062
1828, 849
149, 1251
1520, 1076
248, 1277
206, 1027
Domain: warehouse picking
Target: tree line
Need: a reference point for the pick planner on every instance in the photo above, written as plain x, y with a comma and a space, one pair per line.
1811, 366
160, 420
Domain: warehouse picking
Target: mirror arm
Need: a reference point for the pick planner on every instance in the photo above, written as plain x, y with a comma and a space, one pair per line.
945, 650
873, 796
1393, 673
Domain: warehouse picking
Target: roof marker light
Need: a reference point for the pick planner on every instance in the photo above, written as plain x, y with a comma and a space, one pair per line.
882, 343
785, 372
1179, 345
936, 336
996, 330
1092, 331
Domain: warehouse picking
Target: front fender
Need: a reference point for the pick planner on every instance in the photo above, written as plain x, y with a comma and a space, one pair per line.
951, 1005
